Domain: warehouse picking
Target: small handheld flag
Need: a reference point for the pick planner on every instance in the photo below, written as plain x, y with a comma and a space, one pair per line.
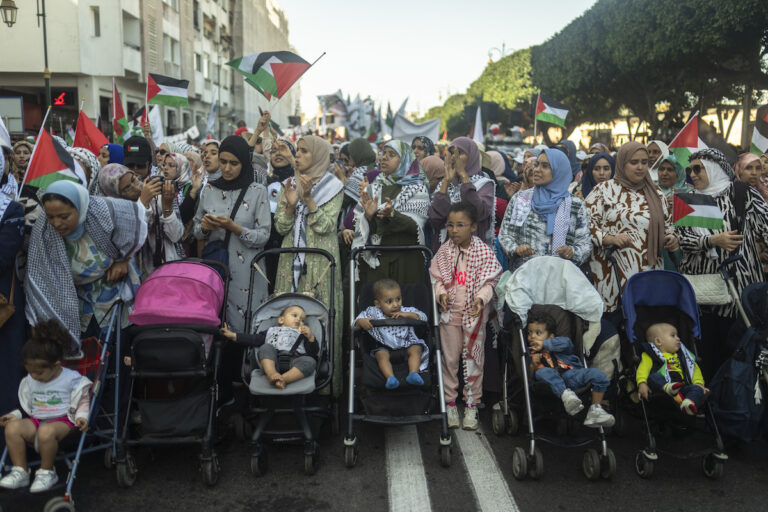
88, 136
119, 122
687, 141
760, 133
271, 73
550, 111
164, 90
50, 162
697, 210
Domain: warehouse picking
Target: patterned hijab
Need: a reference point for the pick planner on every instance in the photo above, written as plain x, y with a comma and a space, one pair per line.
78, 196
469, 147
409, 171
679, 171
109, 179
429, 146
719, 171
547, 198
588, 180
182, 168
649, 190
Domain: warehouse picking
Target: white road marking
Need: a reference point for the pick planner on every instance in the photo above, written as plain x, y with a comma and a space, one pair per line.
488, 483
408, 489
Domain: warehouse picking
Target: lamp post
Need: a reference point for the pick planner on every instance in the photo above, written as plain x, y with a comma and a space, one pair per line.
502, 52
46, 72
8, 10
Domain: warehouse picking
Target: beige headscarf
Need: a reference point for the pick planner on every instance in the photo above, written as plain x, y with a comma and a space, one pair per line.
321, 159
648, 189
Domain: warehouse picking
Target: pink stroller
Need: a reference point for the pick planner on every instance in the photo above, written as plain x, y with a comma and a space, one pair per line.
177, 314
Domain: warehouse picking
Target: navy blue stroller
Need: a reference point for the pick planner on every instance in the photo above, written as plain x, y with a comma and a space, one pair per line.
663, 296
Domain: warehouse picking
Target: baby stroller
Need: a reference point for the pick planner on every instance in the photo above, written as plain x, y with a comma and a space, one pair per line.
643, 305
92, 362
406, 405
177, 313
299, 399
558, 287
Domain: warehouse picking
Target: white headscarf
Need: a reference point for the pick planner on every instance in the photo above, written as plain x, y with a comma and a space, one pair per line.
654, 166
719, 181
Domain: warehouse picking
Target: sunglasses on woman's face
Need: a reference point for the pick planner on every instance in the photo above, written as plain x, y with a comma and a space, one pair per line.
695, 169
160, 152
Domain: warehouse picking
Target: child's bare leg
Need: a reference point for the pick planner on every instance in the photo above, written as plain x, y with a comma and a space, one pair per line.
414, 358
382, 358
597, 397
270, 371
48, 437
292, 375
17, 434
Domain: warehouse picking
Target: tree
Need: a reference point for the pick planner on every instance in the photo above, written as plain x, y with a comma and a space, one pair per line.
506, 81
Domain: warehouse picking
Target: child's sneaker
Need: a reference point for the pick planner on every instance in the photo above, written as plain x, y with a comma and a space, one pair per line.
571, 402
414, 379
689, 408
44, 480
17, 478
672, 388
392, 383
453, 416
470, 418
598, 417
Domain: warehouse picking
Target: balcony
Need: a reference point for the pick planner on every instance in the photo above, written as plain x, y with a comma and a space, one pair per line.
132, 59
171, 69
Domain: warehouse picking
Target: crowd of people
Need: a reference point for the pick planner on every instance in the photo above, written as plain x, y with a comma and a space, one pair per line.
71, 250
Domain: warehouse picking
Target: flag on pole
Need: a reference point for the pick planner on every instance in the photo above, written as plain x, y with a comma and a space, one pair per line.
212, 116
164, 90
760, 132
401, 110
477, 130
88, 136
70, 136
550, 111
119, 122
687, 141
271, 73
50, 162
697, 210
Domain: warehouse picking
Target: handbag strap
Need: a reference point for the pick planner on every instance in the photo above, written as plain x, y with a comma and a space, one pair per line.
236, 207
13, 286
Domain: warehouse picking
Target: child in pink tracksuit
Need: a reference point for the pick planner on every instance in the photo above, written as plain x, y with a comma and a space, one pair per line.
464, 272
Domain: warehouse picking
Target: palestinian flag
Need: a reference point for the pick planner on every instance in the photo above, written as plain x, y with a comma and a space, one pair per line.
697, 210
164, 90
760, 133
119, 122
550, 111
271, 73
49, 162
687, 141
88, 136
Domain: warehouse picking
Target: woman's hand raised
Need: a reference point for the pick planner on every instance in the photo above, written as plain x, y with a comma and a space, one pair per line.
290, 193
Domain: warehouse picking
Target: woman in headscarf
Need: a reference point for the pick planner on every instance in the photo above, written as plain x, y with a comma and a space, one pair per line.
160, 214
90, 164
434, 169
627, 213
209, 150
393, 211
307, 215
111, 154
671, 181
22, 151
422, 147
194, 159
245, 234
463, 181
598, 147
656, 150
546, 220
79, 258
362, 158
705, 250
601, 167
749, 169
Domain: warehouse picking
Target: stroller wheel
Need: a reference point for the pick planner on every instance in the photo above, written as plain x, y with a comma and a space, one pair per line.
126, 471
311, 463
608, 465
350, 455
536, 465
211, 470
590, 464
109, 462
59, 504
712, 467
259, 464
498, 422
519, 463
513, 423
241, 427
445, 456
643, 465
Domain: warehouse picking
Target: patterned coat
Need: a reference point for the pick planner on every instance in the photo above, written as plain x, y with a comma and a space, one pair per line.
614, 210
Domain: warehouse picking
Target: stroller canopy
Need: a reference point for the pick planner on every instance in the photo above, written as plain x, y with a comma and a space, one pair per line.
180, 292
659, 288
553, 281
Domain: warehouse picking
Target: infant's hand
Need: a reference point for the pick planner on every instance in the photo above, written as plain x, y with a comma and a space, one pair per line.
307, 333
364, 323
403, 314
536, 345
6, 418
643, 390
224, 331
82, 424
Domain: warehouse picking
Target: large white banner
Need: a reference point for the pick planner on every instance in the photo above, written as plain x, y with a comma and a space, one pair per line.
406, 130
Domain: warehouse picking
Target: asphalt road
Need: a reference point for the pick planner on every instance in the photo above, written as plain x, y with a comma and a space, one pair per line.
399, 469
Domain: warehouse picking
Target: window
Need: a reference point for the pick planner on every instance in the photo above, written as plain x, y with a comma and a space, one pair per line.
198, 62
174, 4
96, 21
206, 67
196, 14
171, 50
133, 107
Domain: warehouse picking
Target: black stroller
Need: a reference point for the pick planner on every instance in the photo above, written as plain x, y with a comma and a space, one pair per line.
175, 359
557, 287
407, 405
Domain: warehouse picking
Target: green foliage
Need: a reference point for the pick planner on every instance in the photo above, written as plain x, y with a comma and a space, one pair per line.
451, 113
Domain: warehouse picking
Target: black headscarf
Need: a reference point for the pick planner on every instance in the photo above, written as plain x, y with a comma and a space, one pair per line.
237, 146
286, 171
429, 146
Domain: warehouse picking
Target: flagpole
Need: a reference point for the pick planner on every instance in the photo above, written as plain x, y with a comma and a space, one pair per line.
535, 120
34, 149
315, 62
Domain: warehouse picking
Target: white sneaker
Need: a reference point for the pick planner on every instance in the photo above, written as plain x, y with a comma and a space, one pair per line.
18, 477
44, 480
571, 402
470, 418
453, 416
598, 417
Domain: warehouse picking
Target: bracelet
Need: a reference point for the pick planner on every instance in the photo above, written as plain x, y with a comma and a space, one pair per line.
170, 210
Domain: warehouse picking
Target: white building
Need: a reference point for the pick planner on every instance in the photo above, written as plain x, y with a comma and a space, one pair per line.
92, 41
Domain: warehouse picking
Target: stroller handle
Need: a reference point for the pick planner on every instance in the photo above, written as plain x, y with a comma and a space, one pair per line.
727, 263
399, 322
393, 248
294, 250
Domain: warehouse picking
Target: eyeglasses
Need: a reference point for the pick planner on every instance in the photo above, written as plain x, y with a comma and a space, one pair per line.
160, 152
134, 183
695, 169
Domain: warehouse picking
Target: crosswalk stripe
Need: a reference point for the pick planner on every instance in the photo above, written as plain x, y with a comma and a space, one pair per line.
488, 483
407, 481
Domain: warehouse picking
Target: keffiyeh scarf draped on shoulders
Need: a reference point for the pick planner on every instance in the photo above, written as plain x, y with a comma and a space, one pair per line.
482, 268
397, 337
118, 230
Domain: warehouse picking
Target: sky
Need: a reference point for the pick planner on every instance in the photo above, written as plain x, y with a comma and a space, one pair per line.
425, 50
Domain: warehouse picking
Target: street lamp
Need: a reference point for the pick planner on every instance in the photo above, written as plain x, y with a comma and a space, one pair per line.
8, 10
502, 52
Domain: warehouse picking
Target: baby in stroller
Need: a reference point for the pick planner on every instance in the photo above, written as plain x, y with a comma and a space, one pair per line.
670, 370
291, 338
553, 362
388, 302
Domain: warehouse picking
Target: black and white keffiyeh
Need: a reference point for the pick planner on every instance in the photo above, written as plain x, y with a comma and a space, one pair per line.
284, 338
397, 337
687, 359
